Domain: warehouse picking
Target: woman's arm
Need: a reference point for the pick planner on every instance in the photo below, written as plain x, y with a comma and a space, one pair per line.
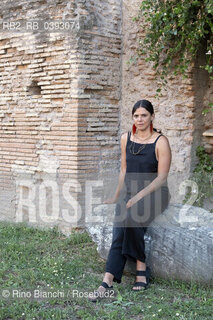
164, 162
122, 170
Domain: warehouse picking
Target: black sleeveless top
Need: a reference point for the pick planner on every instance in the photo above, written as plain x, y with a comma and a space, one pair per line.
142, 164
142, 161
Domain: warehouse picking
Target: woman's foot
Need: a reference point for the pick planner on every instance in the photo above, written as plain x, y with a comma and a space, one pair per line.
138, 280
142, 279
104, 290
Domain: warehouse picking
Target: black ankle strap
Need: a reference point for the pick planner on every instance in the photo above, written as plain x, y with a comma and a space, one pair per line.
140, 273
105, 285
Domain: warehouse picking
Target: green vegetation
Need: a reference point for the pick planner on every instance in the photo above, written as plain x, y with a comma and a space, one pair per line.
32, 258
203, 176
175, 32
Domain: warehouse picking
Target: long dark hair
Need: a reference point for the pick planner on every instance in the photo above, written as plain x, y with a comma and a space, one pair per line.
146, 105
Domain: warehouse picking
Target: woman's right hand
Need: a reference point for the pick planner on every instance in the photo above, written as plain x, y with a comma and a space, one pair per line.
110, 200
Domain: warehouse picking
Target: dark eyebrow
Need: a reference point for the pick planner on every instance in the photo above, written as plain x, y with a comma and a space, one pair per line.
143, 114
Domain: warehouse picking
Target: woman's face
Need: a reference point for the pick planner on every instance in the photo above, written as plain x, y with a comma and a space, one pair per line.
142, 118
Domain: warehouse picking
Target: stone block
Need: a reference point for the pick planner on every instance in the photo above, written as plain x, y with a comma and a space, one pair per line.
178, 242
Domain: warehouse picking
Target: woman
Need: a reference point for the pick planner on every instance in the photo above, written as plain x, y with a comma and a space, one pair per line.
145, 157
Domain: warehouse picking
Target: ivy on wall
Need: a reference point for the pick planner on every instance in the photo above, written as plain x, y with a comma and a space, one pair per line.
203, 176
175, 31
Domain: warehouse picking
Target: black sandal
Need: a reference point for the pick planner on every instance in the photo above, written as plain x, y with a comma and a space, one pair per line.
97, 295
142, 284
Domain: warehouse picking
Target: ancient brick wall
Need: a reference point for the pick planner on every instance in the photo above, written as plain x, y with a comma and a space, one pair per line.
59, 94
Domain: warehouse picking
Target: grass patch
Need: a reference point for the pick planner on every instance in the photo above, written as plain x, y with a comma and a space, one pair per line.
32, 258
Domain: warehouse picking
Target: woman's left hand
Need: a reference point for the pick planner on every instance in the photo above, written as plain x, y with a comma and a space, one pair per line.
131, 202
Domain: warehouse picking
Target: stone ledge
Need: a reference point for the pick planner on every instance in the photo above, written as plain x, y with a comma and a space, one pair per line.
178, 243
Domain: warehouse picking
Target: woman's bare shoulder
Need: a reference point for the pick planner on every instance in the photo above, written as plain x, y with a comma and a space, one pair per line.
124, 136
124, 139
162, 142
162, 139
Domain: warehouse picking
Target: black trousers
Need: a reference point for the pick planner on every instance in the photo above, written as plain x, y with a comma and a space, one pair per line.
123, 246
128, 235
